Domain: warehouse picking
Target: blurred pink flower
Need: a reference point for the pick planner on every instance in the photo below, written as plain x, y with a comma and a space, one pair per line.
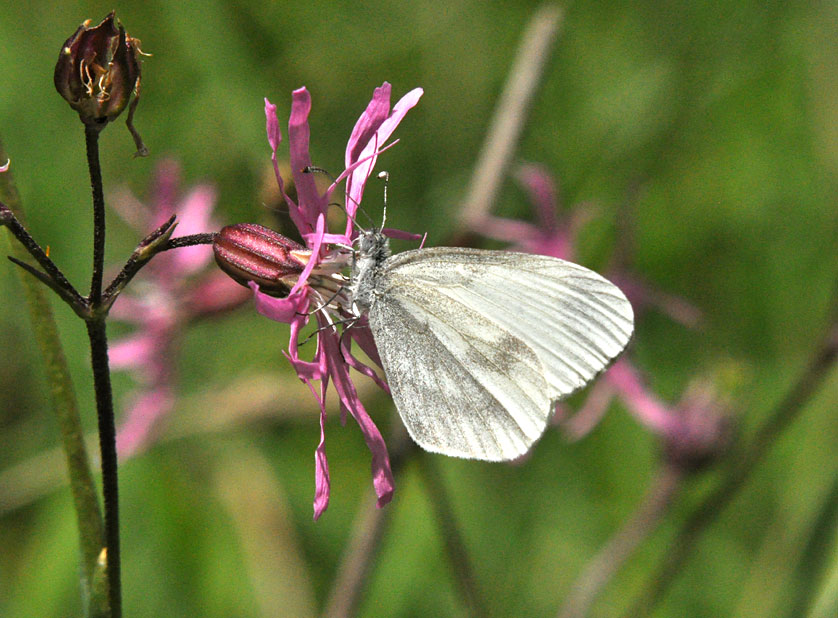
167, 296
550, 235
693, 431
319, 287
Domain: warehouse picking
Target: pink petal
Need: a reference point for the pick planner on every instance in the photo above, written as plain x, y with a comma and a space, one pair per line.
326, 239
390, 232
166, 181
542, 190
308, 370
316, 241
129, 309
591, 412
132, 351
194, 212
381, 472
507, 230
274, 139
361, 367
141, 418
648, 409
322, 482
280, 309
5, 167
361, 333
557, 245
384, 129
194, 217
368, 123
214, 294
272, 127
643, 296
311, 203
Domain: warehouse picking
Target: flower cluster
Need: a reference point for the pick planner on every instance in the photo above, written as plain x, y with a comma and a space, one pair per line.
292, 282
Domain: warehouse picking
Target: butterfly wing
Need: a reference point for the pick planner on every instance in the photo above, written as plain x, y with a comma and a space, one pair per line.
478, 345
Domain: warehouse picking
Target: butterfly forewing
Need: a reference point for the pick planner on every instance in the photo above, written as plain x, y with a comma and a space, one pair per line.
477, 345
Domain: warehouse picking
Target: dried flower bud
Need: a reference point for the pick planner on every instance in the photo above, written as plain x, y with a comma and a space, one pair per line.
97, 72
249, 252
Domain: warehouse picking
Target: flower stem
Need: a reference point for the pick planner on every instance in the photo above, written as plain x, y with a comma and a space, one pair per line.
96, 331
602, 567
91, 139
453, 540
511, 114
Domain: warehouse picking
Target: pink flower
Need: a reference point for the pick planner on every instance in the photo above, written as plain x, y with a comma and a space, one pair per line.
310, 279
168, 295
551, 235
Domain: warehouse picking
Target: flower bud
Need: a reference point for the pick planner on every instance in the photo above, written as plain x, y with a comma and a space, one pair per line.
249, 252
98, 69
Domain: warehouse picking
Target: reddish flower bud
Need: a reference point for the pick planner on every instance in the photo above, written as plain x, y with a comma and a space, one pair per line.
249, 252
97, 72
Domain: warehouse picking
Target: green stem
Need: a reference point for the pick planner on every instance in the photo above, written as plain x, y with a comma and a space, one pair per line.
83, 489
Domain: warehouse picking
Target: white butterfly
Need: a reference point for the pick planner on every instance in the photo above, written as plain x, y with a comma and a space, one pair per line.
477, 345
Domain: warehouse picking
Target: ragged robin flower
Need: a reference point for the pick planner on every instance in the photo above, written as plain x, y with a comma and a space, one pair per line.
292, 282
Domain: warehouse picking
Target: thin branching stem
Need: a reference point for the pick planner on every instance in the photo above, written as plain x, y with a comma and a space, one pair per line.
59, 282
83, 488
189, 241
107, 447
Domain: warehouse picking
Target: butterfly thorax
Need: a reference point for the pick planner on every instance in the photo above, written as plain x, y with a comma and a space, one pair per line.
373, 250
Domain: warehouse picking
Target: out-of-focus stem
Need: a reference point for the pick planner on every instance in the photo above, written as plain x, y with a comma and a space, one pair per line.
367, 532
511, 115
454, 543
602, 567
63, 398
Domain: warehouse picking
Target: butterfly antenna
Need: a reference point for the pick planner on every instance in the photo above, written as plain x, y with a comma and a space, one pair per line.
313, 169
385, 176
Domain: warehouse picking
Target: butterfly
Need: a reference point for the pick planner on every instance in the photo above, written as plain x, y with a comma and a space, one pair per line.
478, 346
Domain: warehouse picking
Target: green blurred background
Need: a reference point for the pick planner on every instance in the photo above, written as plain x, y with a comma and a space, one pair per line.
715, 122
